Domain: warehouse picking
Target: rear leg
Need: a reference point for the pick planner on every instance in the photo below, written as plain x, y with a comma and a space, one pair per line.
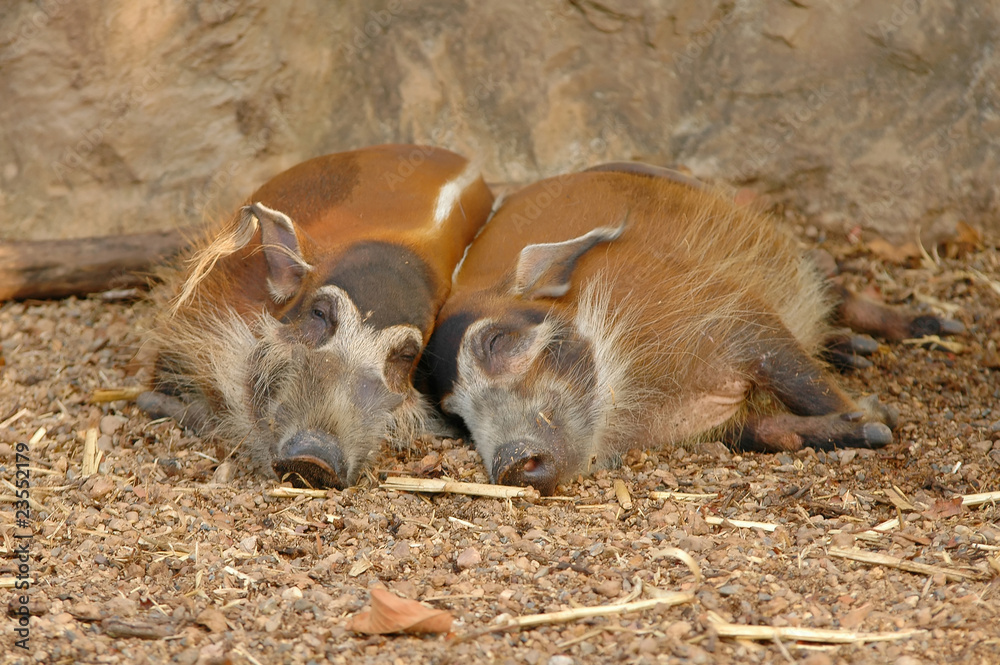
868, 317
821, 415
891, 323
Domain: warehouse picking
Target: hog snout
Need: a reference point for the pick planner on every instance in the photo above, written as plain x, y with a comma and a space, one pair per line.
527, 463
311, 458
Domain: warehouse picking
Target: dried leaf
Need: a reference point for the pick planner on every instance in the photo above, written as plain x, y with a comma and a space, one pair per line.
429, 465
213, 619
391, 614
944, 508
890, 253
853, 619
966, 240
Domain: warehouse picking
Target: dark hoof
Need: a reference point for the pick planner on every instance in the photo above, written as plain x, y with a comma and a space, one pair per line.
928, 324
312, 459
524, 464
846, 362
876, 435
844, 350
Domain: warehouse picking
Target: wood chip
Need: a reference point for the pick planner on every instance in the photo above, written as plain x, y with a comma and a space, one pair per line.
104, 395
91, 454
935, 342
9, 582
901, 564
740, 524
440, 485
14, 418
898, 499
622, 494
683, 496
295, 492
980, 499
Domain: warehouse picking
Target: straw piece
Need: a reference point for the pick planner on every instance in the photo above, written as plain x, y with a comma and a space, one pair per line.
980, 499
404, 484
669, 598
91, 454
103, 395
901, 564
683, 496
295, 492
741, 524
770, 633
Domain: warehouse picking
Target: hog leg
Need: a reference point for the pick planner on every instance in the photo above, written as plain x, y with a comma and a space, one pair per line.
868, 317
894, 324
821, 415
161, 405
846, 350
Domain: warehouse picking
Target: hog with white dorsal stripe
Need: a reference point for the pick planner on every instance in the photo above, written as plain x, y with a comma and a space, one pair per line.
294, 331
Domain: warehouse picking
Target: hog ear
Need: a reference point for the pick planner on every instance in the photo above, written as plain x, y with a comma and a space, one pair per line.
544, 270
285, 265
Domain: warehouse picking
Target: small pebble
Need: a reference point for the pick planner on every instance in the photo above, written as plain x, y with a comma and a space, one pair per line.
469, 558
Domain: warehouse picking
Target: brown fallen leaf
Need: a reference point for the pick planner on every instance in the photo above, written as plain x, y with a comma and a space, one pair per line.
391, 614
212, 619
853, 619
966, 240
944, 508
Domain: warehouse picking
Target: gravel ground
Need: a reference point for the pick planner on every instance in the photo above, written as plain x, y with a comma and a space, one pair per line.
152, 560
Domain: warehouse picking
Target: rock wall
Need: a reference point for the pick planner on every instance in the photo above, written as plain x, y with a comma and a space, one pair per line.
124, 116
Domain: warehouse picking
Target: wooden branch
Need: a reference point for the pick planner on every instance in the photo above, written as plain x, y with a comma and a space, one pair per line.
77, 266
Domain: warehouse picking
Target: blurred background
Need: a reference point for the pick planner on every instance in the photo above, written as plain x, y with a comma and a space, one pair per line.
121, 116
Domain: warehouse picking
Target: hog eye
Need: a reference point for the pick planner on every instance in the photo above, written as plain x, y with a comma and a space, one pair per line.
493, 343
318, 323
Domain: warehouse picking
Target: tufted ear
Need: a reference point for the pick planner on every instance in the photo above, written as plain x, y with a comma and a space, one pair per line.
544, 270
285, 265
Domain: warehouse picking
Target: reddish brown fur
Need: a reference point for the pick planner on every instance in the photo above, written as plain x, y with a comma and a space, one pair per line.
244, 348
699, 318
